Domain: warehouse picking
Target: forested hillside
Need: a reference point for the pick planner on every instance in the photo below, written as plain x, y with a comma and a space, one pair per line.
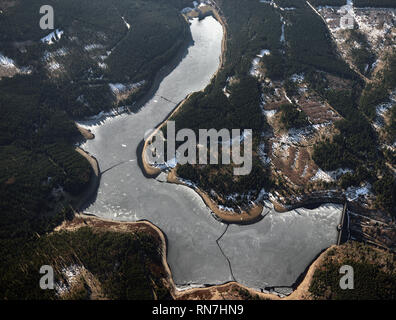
106, 265
356, 145
298, 42
107, 57
374, 274
55, 83
103, 42
252, 26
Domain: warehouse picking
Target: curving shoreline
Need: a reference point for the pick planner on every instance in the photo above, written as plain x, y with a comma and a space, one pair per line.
211, 292
254, 213
90, 191
249, 216
153, 171
87, 134
214, 291
159, 119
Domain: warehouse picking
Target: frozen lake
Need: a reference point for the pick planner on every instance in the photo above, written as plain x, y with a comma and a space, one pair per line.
272, 252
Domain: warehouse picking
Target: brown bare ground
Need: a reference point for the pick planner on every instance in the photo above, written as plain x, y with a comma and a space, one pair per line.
294, 161
87, 134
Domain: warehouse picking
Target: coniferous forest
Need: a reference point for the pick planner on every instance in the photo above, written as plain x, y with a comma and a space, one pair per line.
38, 161
41, 173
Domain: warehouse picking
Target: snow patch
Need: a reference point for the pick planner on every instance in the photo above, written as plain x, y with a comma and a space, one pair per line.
93, 46
297, 78
71, 275
353, 193
269, 113
53, 66
263, 155
117, 88
322, 176
6, 62
264, 52
10, 66
254, 70
53, 37
102, 65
